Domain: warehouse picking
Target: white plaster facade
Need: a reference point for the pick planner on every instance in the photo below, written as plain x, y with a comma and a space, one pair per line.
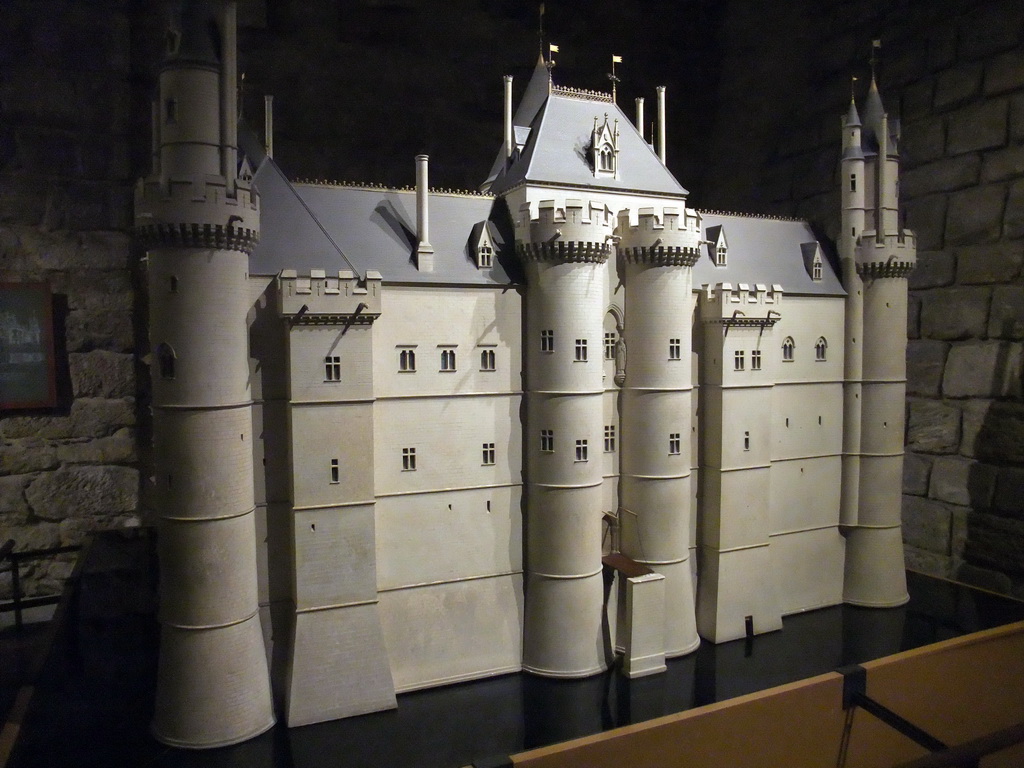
579, 419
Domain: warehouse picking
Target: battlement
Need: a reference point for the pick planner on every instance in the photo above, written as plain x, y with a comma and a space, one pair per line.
740, 304
673, 239
577, 231
196, 213
893, 256
321, 299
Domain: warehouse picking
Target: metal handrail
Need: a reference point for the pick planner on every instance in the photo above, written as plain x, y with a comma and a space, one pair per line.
18, 601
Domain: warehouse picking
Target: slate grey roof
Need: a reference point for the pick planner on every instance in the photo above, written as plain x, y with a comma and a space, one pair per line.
560, 133
311, 226
767, 251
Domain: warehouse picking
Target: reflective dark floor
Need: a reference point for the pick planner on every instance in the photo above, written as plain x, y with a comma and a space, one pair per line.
94, 701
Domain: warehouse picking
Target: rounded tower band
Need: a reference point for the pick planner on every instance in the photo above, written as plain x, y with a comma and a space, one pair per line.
198, 221
655, 492
564, 251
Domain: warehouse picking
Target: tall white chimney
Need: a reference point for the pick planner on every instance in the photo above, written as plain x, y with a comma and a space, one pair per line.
661, 123
424, 250
268, 125
509, 139
640, 115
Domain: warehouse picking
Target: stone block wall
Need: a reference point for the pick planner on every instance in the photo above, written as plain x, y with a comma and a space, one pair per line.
69, 152
954, 73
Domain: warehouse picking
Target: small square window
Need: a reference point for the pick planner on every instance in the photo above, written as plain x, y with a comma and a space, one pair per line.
547, 440
739, 360
488, 453
581, 450
581, 350
407, 360
674, 443
755, 360
335, 471
610, 340
408, 459
487, 360
609, 438
332, 368
674, 349
547, 341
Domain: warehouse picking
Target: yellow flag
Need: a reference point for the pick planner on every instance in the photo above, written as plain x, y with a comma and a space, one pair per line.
553, 48
616, 59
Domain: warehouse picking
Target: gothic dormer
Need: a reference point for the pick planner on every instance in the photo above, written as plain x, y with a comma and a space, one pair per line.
718, 247
604, 148
813, 260
483, 245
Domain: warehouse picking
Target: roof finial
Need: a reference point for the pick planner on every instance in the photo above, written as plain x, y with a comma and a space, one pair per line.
876, 48
540, 30
550, 63
853, 87
611, 75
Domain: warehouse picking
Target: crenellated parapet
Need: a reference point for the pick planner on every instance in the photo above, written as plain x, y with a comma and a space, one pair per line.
325, 299
741, 304
673, 239
893, 256
575, 232
197, 213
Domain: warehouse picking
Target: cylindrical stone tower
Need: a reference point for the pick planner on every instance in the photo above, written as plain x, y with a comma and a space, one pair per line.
198, 222
564, 251
877, 255
656, 408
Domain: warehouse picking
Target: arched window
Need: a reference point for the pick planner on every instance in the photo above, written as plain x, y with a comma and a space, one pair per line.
820, 349
787, 350
165, 360
605, 159
407, 360
487, 360
447, 359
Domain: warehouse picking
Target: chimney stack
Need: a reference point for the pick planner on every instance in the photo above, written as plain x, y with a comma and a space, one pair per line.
661, 123
640, 115
268, 125
424, 250
509, 138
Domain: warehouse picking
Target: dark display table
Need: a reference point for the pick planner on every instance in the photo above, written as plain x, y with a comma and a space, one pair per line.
94, 699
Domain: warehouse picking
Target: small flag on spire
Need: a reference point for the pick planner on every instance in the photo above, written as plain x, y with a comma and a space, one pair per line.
876, 43
553, 48
616, 59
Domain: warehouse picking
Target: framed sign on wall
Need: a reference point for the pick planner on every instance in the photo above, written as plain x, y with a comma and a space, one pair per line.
26, 346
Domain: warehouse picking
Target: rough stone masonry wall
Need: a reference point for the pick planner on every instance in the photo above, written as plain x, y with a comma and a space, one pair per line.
66, 171
954, 72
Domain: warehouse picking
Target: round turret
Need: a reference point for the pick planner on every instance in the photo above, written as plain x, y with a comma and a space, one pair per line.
671, 240
575, 232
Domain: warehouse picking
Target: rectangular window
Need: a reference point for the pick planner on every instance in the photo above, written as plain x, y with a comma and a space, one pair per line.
673, 443
746, 441
609, 438
486, 254
581, 450
739, 359
547, 341
674, 349
335, 471
755, 360
581, 350
407, 359
408, 459
448, 360
547, 440
853, 182
816, 271
332, 368
488, 452
486, 359
610, 341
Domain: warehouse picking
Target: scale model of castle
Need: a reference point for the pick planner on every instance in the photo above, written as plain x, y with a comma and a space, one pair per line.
405, 438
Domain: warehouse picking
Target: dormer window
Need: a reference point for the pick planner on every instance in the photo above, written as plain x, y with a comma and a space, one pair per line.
718, 246
604, 147
816, 270
482, 245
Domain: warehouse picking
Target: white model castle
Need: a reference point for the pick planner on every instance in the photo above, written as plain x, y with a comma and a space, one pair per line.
405, 438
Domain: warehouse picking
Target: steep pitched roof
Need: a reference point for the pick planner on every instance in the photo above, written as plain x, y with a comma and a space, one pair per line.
766, 251
311, 226
560, 131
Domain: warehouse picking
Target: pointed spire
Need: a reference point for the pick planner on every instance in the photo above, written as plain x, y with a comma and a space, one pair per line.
535, 95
